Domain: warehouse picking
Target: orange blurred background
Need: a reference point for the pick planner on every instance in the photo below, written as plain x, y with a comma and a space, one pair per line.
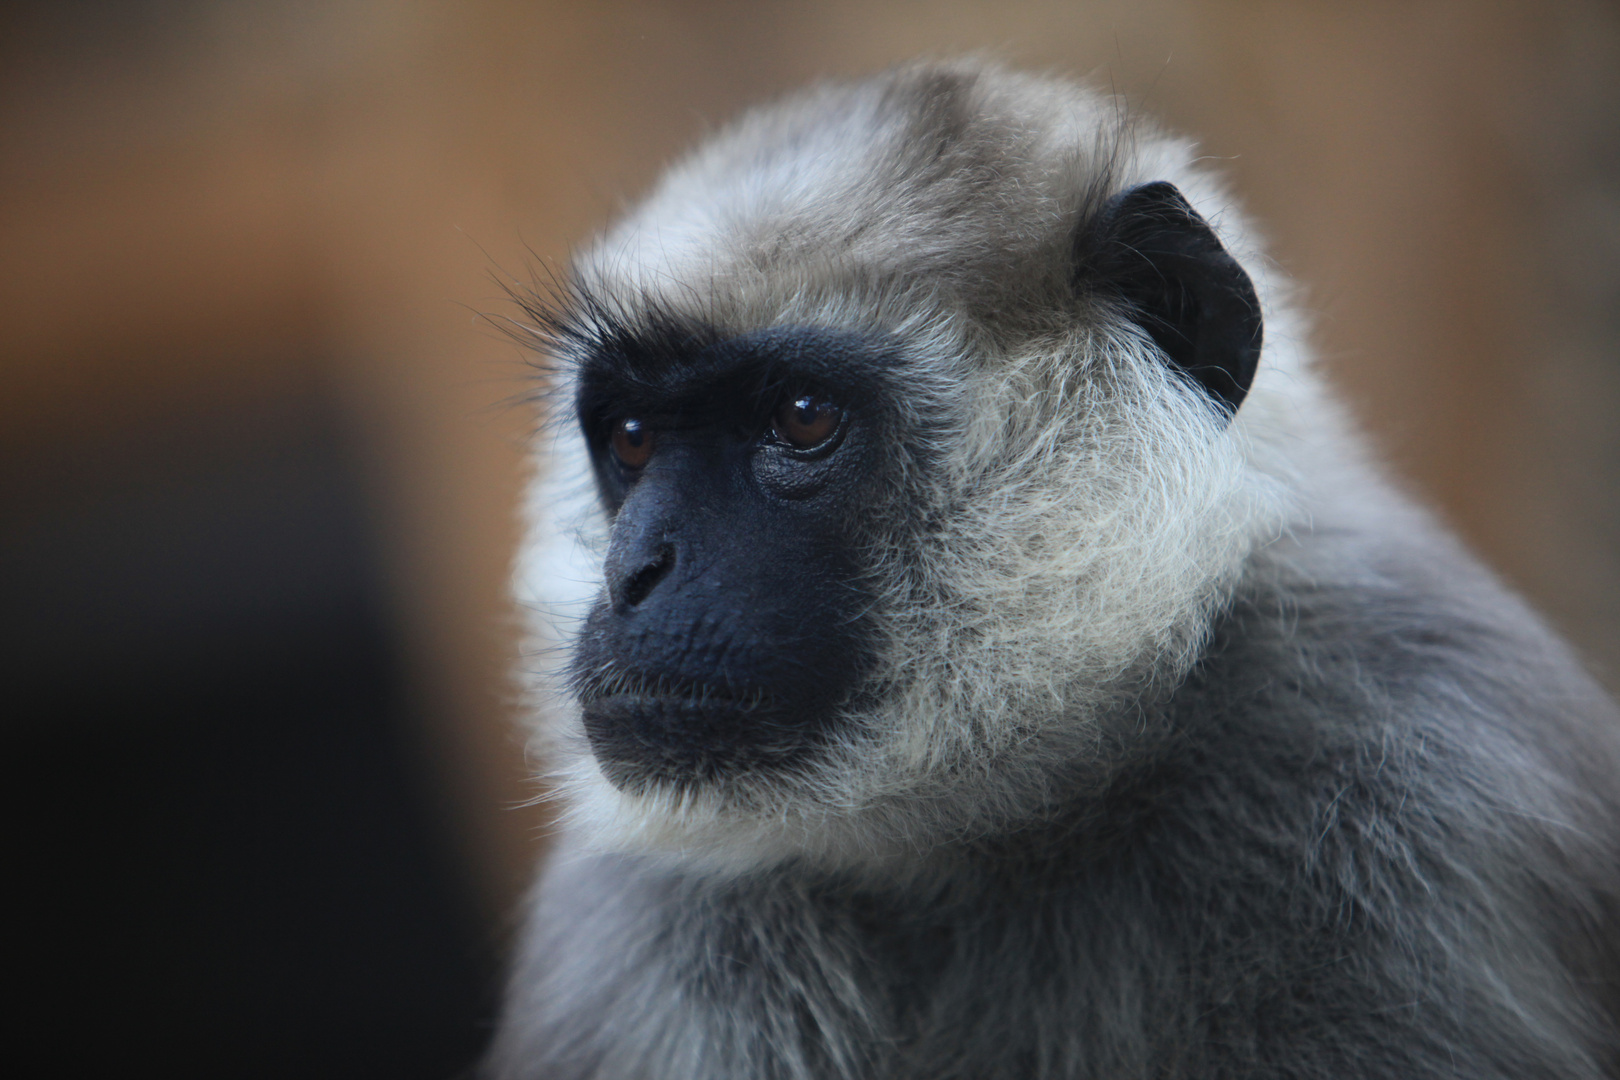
259, 457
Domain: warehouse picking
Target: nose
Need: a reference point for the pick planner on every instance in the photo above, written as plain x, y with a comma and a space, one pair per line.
634, 578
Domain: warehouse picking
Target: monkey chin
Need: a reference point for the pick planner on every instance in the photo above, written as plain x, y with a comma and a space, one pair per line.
721, 786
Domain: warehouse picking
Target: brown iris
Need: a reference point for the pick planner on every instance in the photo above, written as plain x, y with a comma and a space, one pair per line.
805, 421
632, 443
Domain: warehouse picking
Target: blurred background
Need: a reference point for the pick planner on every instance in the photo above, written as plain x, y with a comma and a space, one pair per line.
259, 457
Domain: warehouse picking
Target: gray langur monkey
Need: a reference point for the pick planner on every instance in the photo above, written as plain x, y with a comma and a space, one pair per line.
991, 662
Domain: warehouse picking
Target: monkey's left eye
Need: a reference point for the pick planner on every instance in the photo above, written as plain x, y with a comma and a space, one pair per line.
806, 421
632, 443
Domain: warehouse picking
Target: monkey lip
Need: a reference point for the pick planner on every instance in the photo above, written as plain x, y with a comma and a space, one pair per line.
667, 711
655, 712
672, 693
685, 732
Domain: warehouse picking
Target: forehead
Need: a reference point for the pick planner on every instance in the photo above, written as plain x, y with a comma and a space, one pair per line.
929, 175
755, 195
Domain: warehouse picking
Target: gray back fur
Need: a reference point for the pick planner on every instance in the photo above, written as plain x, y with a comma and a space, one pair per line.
1201, 751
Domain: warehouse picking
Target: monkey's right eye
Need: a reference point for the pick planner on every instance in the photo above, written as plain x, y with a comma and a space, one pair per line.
807, 421
632, 443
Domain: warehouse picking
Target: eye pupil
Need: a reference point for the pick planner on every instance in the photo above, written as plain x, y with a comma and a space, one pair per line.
632, 443
806, 421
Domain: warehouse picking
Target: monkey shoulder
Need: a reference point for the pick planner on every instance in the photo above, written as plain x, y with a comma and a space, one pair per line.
1391, 787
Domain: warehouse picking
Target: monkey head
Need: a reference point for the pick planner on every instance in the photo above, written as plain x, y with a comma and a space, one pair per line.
902, 463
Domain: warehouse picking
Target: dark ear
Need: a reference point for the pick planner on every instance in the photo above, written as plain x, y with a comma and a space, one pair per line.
1151, 248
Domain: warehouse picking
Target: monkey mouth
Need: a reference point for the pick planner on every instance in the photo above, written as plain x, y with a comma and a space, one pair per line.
645, 731
669, 688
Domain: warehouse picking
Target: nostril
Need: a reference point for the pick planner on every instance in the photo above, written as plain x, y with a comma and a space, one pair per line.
645, 580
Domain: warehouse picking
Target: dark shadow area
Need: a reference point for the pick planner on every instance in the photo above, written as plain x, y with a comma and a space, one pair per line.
224, 842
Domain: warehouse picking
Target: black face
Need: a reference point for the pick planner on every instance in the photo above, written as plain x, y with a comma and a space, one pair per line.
743, 474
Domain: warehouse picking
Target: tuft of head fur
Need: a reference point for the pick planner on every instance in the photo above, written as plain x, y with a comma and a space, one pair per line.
1064, 532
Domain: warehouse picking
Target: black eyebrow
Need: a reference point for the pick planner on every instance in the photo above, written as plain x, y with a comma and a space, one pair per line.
690, 373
